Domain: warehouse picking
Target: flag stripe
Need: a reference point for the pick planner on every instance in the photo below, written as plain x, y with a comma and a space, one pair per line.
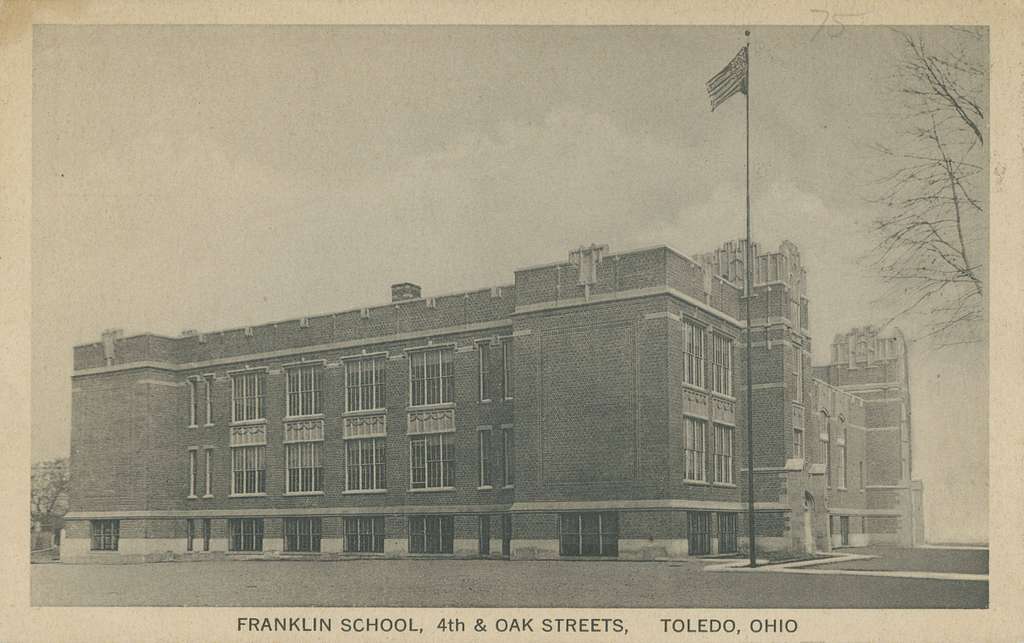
732, 79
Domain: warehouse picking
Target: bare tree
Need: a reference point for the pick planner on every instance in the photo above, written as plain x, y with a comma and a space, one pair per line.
51, 481
933, 191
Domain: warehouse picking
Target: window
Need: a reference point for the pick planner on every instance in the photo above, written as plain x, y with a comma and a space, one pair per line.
431, 534
190, 535
364, 384
484, 451
721, 364
364, 534
193, 403
104, 534
483, 349
485, 535
723, 454
826, 454
208, 486
589, 534
247, 397
305, 391
698, 532
365, 464
302, 534
506, 368
433, 461
431, 377
799, 374
246, 534
302, 461
206, 534
798, 431
248, 470
727, 533
693, 449
693, 353
192, 473
508, 453
208, 386
841, 468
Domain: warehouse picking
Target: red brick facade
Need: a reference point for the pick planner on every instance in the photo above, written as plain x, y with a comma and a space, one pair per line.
592, 409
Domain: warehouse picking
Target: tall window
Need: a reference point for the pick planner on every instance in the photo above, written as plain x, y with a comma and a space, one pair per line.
694, 449
247, 397
104, 534
248, 470
483, 349
208, 390
206, 534
506, 368
193, 472
364, 383
589, 534
190, 534
508, 453
246, 534
305, 472
798, 431
193, 403
841, 469
433, 461
431, 376
208, 478
302, 534
431, 534
484, 452
798, 372
365, 464
693, 353
305, 390
364, 534
721, 364
826, 453
723, 454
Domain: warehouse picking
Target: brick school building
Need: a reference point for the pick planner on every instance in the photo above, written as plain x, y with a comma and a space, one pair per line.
592, 408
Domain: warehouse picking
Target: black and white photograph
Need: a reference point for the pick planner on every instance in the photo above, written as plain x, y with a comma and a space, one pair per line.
512, 316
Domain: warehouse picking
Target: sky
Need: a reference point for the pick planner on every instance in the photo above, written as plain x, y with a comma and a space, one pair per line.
219, 176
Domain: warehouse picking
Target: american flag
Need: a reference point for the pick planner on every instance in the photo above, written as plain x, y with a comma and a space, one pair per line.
730, 80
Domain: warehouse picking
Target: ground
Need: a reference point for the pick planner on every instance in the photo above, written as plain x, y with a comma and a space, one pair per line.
492, 583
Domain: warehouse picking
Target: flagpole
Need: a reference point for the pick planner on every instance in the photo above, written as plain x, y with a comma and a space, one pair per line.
750, 292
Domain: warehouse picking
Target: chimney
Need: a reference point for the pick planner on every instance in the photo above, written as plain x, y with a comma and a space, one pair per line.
404, 292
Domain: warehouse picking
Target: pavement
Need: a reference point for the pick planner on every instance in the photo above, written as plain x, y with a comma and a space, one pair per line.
492, 583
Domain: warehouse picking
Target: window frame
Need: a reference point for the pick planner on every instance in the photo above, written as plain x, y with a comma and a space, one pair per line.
724, 460
104, 535
508, 456
309, 396
259, 475
193, 403
355, 393
444, 538
255, 533
377, 468
799, 432
445, 376
721, 364
690, 453
445, 464
607, 528
193, 472
304, 457
485, 452
507, 355
368, 533
208, 394
483, 348
299, 540
694, 363
249, 396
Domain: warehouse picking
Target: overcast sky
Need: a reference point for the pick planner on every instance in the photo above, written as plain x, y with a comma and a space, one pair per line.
216, 177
